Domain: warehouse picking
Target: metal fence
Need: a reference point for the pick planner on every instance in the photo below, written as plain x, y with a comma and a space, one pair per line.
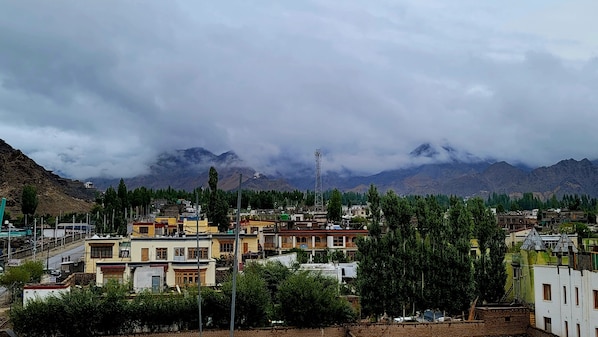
48, 245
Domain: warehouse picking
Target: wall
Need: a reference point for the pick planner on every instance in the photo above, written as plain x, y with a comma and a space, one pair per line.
446, 329
535, 332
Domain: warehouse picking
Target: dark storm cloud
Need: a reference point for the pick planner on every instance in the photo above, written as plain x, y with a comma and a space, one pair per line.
100, 87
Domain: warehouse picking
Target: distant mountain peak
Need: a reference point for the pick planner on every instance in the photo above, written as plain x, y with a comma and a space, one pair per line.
424, 150
443, 153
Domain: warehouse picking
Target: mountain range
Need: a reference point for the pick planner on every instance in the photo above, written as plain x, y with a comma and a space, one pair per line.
442, 170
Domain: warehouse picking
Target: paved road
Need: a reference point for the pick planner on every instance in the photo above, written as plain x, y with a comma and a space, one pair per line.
70, 253
56, 256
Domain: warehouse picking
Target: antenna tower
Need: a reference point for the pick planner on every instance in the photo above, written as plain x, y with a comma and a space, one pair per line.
319, 200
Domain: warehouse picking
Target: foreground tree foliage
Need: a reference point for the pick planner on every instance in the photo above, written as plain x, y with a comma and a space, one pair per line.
264, 292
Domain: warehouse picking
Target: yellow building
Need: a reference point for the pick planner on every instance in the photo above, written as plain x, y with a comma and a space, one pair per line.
150, 262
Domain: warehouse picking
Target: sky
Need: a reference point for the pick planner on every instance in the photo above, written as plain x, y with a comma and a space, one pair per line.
99, 88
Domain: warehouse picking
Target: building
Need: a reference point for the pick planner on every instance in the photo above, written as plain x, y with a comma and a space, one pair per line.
566, 296
151, 263
314, 239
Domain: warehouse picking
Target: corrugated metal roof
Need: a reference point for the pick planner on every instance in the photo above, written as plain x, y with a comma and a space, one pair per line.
564, 244
533, 241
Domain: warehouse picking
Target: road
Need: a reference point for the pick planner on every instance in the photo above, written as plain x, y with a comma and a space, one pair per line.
70, 253
74, 252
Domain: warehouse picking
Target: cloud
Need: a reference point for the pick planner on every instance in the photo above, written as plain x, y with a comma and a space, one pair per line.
101, 88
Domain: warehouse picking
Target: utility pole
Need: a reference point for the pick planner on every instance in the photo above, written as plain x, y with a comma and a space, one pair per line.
34, 237
235, 260
198, 265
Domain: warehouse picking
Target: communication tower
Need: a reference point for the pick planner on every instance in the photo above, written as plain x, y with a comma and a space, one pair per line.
319, 199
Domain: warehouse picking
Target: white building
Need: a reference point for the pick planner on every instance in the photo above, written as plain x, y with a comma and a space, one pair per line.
42, 291
566, 300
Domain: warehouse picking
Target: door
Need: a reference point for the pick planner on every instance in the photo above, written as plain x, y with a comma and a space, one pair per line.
245, 247
156, 283
144, 254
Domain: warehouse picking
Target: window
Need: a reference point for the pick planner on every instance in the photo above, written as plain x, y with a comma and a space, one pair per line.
564, 295
566, 329
226, 247
595, 299
578, 328
337, 241
254, 230
179, 253
576, 296
192, 253
184, 278
101, 252
547, 324
143, 230
547, 292
161, 254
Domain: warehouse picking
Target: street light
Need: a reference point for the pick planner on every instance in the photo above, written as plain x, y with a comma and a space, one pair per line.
8, 224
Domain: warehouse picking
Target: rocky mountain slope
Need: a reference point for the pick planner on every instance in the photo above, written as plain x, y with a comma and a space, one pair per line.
188, 169
450, 172
55, 194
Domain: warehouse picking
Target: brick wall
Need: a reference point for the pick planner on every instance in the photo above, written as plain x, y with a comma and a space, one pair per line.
274, 332
494, 321
454, 329
504, 320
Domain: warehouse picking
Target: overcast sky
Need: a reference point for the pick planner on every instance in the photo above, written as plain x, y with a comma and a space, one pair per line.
92, 88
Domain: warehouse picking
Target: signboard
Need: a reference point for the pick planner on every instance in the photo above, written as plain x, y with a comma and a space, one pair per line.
14, 262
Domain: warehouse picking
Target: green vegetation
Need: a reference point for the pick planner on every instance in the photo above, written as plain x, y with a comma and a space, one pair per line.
14, 278
264, 293
403, 269
335, 206
29, 200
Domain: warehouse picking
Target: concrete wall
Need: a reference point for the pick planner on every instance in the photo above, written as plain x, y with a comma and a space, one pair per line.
142, 278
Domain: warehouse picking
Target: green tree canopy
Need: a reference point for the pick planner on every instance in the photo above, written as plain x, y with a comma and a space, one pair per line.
335, 206
29, 200
321, 293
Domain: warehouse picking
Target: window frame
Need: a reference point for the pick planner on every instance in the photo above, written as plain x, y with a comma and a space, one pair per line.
546, 292
161, 253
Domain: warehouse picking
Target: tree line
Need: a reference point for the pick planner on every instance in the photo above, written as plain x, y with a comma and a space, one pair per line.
418, 258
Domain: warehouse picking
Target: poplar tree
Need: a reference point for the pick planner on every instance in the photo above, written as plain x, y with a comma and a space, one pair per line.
29, 200
490, 272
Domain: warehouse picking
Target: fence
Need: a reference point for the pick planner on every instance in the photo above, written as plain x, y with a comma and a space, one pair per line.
48, 245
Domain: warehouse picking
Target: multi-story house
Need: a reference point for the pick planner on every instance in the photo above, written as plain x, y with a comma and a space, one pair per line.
151, 262
566, 296
311, 237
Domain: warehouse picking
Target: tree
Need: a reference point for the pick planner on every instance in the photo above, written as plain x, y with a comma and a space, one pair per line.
374, 205
253, 300
217, 204
308, 300
29, 200
14, 278
335, 206
489, 269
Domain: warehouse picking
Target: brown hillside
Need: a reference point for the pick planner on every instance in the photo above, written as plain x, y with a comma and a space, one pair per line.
55, 194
